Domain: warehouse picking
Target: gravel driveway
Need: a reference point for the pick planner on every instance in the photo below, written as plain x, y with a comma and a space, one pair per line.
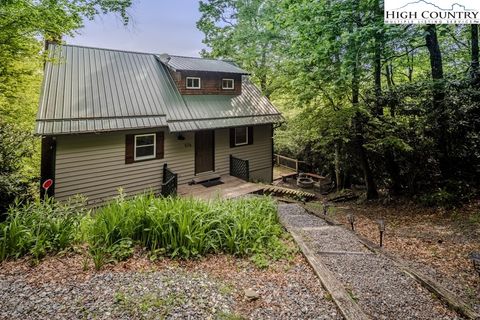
210, 288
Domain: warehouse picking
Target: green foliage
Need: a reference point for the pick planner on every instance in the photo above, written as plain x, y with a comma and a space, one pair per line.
135, 306
174, 227
38, 228
324, 56
243, 31
16, 147
184, 228
24, 24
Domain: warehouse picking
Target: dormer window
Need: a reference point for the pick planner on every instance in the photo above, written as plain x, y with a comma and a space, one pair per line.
193, 83
228, 84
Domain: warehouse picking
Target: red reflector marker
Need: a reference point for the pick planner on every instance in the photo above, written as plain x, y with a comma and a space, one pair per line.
47, 184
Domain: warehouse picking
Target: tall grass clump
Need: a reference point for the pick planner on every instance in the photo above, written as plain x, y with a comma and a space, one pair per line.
185, 228
173, 227
38, 228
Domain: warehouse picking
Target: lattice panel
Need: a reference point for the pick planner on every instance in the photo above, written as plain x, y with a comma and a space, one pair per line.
239, 168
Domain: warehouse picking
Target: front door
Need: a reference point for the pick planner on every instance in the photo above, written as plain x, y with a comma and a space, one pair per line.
204, 151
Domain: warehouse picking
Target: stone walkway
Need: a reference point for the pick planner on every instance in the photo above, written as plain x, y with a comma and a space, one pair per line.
374, 282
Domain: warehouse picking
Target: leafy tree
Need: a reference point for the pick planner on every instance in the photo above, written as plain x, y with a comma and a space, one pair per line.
244, 32
388, 105
24, 24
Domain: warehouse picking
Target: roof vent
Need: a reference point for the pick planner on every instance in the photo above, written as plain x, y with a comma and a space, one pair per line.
164, 57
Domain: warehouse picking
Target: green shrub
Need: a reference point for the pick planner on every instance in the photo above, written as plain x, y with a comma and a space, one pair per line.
17, 153
38, 228
173, 227
187, 227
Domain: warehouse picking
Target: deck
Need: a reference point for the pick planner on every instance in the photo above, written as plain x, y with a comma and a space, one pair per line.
231, 187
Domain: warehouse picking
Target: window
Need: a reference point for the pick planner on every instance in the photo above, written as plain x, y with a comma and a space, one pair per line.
241, 136
228, 84
193, 83
145, 145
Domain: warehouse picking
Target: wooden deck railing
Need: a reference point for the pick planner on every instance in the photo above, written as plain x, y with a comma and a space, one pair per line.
169, 182
287, 162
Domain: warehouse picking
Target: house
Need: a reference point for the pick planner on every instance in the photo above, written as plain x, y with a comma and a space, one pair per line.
113, 119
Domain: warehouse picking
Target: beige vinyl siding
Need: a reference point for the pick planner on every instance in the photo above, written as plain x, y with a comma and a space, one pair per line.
259, 154
93, 165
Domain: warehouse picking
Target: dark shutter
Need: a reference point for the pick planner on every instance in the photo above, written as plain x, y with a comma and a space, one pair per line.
47, 167
250, 135
232, 137
160, 145
129, 146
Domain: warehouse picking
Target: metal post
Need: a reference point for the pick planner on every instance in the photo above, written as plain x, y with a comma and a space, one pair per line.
381, 229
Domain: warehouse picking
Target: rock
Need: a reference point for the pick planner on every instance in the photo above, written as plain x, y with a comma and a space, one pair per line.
251, 295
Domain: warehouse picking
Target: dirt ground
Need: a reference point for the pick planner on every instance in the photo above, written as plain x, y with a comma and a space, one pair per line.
434, 240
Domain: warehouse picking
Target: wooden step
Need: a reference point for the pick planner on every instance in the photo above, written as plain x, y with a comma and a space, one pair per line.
287, 191
206, 178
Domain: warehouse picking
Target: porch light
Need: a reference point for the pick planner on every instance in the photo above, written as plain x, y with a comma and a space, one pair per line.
381, 229
351, 220
180, 136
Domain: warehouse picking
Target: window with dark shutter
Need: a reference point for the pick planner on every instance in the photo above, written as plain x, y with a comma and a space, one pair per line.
241, 136
145, 146
142, 147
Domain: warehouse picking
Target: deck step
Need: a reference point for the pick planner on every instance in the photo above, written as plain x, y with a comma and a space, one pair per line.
206, 178
287, 191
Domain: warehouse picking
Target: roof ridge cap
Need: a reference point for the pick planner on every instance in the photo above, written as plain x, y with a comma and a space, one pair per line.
105, 49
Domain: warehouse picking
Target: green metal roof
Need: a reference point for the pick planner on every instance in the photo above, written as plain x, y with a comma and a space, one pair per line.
98, 90
219, 111
179, 63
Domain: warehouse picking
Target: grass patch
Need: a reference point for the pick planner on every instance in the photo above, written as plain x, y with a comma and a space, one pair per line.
173, 227
137, 306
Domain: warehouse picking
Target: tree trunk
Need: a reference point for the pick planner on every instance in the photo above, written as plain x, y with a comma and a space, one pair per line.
338, 178
436, 64
360, 140
263, 74
475, 72
377, 63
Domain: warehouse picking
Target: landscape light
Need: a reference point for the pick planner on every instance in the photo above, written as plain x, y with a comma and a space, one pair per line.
325, 208
475, 257
381, 229
351, 220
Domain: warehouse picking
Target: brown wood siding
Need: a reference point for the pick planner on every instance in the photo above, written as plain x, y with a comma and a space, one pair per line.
94, 164
210, 83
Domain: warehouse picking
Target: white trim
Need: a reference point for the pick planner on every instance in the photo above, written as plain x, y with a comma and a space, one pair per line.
227, 88
153, 156
193, 78
246, 137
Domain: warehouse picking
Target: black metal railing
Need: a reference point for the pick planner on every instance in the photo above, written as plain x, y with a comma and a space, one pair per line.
169, 182
239, 168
